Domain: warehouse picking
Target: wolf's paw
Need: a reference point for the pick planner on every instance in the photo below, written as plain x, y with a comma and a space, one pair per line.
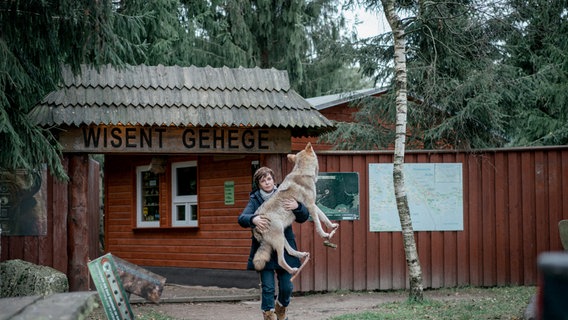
294, 270
333, 231
304, 255
329, 244
334, 226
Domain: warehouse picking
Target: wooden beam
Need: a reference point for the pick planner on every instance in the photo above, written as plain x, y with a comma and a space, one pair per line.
77, 224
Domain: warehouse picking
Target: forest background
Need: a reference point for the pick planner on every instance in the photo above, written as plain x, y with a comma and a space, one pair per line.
481, 74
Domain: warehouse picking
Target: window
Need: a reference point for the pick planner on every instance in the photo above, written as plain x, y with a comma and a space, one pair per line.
184, 194
148, 198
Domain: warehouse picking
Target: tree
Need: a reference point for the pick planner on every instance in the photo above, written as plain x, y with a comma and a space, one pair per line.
375, 123
449, 106
535, 51
306, 38
451, 56
36, 37
412, 260
481, 75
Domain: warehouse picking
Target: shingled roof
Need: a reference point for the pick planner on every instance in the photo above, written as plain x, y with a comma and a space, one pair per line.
179, 96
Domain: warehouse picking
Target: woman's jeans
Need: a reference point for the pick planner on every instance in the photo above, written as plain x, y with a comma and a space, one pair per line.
268, 285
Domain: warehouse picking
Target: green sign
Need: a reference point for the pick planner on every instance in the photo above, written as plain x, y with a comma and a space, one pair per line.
109, 286
338, 195
229, 193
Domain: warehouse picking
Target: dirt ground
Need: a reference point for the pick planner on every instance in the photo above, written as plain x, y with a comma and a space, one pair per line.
316, 307
203, 303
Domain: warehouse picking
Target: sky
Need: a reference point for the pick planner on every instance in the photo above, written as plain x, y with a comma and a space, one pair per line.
371, 24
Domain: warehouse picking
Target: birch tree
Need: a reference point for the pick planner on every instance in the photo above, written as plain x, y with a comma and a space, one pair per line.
412, 260
454, 76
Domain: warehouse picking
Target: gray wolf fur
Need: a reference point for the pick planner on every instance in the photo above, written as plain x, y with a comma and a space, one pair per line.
299, 184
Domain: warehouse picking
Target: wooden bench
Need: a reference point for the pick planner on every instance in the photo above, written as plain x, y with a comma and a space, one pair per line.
68, 305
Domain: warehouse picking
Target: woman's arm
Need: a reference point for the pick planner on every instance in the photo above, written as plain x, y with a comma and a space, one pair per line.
298, 209
302, 214
245, 218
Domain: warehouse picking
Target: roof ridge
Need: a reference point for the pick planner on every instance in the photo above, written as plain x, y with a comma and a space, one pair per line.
177, 77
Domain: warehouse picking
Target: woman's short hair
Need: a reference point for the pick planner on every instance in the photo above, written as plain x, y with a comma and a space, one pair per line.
261, 173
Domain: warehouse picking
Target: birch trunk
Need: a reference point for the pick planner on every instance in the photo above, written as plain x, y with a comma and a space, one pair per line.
412, 260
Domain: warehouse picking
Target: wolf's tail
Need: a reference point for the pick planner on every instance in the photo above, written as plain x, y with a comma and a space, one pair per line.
262, 256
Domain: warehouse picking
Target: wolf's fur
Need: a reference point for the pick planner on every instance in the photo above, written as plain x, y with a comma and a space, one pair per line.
299, 184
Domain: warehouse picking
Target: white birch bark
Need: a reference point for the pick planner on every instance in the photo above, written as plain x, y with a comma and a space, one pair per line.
412, 260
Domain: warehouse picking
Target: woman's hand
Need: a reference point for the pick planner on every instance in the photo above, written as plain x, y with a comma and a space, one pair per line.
290, 204
261, 223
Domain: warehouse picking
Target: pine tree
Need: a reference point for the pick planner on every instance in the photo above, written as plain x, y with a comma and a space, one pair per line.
536, 47
450, 55
481, 75
36, 38
306, 38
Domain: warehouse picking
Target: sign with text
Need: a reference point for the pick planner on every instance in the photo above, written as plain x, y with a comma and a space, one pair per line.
229, 193
109, 286
137, 139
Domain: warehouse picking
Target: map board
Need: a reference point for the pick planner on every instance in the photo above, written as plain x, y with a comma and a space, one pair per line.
338, 195
434, 192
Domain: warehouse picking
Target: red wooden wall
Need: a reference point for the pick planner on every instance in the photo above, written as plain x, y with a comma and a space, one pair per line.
219, 242
52, 249
513, 200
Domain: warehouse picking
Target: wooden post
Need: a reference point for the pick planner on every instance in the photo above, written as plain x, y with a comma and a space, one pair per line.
59, 212
77, 224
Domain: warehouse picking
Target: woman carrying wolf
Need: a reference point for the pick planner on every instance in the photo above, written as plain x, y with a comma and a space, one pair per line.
264, 180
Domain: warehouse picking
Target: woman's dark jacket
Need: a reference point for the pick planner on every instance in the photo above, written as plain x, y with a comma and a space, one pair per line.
245, 220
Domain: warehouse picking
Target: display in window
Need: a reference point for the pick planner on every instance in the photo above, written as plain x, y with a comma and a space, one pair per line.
150, 196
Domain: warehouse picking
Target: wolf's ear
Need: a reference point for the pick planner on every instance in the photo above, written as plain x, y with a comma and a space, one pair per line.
292, 158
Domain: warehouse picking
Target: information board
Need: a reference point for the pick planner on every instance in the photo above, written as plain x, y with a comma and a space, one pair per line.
338, 195
434, 192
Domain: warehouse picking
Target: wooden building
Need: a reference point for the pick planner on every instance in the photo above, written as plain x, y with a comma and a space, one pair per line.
173, 208
180, 148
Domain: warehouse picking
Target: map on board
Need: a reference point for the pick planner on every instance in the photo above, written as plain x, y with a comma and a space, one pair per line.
434, 192
337, 195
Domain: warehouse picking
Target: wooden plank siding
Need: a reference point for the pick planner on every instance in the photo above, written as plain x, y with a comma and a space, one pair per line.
51, 249
218, 242
513, 200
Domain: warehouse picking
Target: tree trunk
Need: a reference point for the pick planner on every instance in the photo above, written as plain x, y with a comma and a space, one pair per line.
412, 261
77, 224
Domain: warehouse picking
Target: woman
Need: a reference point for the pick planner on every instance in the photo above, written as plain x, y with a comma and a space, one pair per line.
264, 180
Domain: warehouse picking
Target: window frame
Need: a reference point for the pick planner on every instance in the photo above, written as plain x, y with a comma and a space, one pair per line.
139, 205
190, 201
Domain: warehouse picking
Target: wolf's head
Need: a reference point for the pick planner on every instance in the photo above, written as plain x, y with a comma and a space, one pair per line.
305, 161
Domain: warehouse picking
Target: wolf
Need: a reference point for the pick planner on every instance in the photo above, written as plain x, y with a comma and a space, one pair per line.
299, 184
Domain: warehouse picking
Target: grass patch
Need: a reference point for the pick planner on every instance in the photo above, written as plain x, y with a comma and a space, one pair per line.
153, 315
459, 303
